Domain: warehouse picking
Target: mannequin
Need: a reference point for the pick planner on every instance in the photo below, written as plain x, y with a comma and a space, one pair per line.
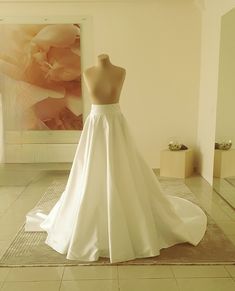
111, 191
104, 81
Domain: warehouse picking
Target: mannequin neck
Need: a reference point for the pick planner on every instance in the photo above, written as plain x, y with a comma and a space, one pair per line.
104, 61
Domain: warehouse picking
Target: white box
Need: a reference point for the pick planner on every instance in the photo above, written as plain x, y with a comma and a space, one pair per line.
224, 163
178, 164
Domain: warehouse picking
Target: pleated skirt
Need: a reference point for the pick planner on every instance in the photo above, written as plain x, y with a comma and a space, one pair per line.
113, 205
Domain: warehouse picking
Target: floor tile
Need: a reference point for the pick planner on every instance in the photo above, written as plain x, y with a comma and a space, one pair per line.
90, 272
90, 285
230, 269
31, 286
148, 285
201, 188
225, 189
199, 271
8, 231
4, 244
35, 274
21, 177
217, 213
8, 196
206, 284
3, 273
129, 272
2, 252
3, 247
224, 206
37, 166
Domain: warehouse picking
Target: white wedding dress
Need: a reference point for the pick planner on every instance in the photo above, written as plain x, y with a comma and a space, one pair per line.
112, 205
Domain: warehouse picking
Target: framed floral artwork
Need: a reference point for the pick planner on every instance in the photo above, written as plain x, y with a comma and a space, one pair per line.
40, 67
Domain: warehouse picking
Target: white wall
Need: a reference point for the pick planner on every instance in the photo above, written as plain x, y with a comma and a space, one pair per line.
211, 18
225, 117
158, 42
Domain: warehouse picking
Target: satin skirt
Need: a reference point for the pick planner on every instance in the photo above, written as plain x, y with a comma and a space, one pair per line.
113, 205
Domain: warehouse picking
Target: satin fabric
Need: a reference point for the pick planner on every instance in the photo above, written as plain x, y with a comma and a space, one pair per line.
113, 205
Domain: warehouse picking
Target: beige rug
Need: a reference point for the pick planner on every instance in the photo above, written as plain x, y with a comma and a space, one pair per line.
29, 249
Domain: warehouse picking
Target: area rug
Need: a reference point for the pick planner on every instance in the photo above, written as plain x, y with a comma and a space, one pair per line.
29, 249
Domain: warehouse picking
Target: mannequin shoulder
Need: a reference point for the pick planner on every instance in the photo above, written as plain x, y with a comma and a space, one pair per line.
88, 74
89, 71
121, 71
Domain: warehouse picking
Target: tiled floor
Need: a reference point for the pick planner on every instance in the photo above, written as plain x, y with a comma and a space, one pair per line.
20, 189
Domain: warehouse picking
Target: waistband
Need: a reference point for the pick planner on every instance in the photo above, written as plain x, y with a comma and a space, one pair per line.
105, 108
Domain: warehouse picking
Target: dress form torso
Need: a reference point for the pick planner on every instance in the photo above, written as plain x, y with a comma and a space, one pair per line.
103, 199
104, 81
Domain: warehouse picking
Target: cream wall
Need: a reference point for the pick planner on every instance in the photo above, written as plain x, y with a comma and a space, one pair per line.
158, 42
211, 20
225, 117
